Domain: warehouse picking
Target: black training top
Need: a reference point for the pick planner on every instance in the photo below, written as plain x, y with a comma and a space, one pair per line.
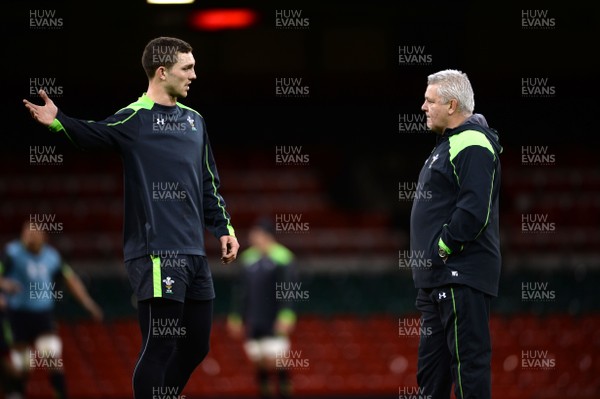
171, 181
456, 208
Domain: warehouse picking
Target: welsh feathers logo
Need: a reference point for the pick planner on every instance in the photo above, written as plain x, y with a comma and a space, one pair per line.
169, 285
191, 122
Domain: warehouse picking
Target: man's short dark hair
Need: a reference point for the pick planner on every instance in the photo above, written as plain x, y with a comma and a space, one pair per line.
266, 225
162, 51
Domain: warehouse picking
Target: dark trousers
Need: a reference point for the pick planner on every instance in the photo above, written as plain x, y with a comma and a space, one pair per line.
175, 340
454, 347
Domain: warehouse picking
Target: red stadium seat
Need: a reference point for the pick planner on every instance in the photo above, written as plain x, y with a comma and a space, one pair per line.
344, 359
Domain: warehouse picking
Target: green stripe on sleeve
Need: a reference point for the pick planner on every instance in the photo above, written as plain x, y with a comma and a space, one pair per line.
466, 139
123, 121
487, 216
229, 226
156, 276
56, 126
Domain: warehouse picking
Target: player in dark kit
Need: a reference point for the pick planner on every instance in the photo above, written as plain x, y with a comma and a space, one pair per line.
171, 197
268, 319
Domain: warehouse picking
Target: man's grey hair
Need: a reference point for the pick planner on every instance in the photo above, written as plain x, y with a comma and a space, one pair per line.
453, 84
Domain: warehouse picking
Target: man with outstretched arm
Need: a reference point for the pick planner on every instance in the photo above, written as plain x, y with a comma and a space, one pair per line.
171, 197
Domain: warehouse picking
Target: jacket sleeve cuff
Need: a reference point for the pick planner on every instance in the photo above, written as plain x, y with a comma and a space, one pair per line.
230, 230
443, 245
225, 231
56, 126
450, 248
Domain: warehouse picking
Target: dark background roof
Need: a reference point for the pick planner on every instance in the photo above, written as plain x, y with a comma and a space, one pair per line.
348, 57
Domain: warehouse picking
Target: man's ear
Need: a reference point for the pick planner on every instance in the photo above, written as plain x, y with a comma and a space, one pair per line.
452, 106
161, 72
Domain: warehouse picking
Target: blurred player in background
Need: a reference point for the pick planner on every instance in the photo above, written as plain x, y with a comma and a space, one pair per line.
458, 230
171, 198
260, 315
7, 370
38, 268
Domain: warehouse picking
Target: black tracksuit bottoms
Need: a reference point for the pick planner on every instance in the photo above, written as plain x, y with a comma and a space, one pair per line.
454, 346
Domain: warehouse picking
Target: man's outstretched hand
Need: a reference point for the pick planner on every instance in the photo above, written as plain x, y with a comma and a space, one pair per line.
43, 114
229, 249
